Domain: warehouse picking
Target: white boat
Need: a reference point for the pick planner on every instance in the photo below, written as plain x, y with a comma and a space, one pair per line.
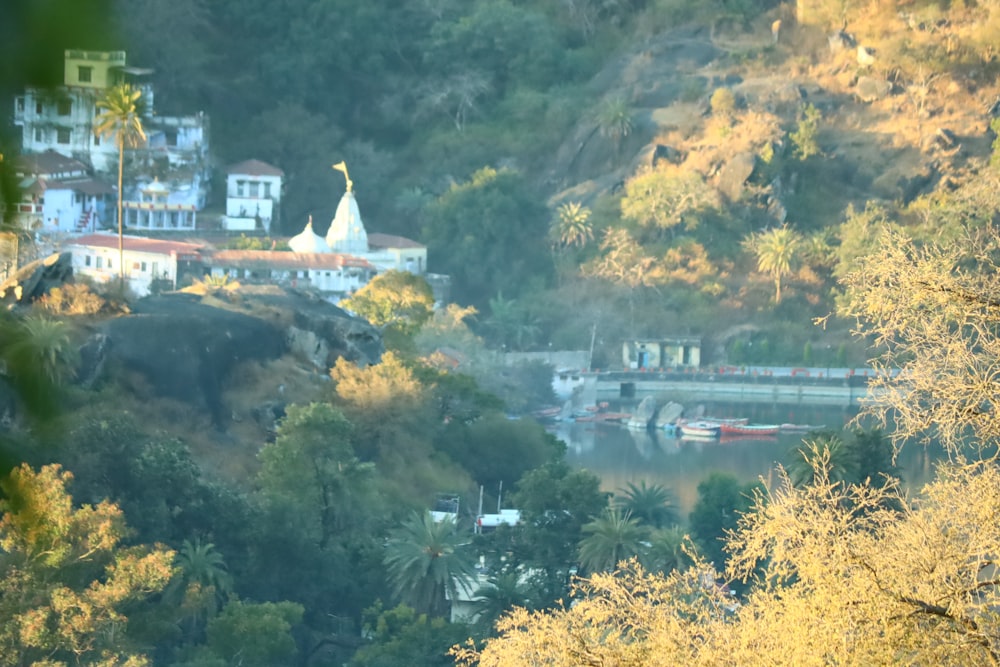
700, 429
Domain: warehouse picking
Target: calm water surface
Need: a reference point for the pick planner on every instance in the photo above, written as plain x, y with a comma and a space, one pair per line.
619, 455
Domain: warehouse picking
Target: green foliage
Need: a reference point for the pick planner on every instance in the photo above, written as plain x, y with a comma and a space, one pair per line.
665, 198
571, 225
806, 135
721, 501
854, 457
477, 232
398, 302
652, 505
776, 251
256, 634
610, 538
400, 637
614, 119
424, 559
495, 450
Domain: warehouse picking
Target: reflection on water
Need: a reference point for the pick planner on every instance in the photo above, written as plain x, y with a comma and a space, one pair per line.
619, 455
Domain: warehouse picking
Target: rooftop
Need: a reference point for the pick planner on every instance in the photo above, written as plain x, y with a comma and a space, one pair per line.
137, 244
254, 168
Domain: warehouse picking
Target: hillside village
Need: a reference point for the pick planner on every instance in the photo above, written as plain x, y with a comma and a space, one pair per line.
67, 199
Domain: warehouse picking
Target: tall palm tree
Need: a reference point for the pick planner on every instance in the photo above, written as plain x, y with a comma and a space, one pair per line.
202, 583
666, 551
425, 560
614, 120
121, 118
652, 505
572, 226
611, 537
775, 250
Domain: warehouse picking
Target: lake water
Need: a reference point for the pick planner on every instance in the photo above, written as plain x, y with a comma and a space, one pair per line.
619, 455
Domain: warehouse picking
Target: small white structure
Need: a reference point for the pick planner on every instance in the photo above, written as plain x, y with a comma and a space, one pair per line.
146, 260
486, 523
58, 195
253, 196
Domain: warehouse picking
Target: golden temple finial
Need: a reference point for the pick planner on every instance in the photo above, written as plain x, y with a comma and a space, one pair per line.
342, 166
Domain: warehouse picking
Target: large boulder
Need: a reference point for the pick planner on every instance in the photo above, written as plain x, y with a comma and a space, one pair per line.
33, 280
185, 348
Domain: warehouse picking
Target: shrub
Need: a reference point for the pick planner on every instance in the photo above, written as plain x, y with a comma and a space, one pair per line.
72, 299
723, 102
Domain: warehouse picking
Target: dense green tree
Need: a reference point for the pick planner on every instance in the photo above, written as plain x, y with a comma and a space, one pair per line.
666, 197
668, 549
555, 502
400, 637
502, 592
487, 234
610, 538
495, 450
120, 118
202, 581
510, 324
394, 301
425, 560
721, 502
255, 634
311, 466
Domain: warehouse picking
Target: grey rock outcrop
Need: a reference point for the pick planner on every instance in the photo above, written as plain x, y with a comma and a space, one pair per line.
870, 89
33, 280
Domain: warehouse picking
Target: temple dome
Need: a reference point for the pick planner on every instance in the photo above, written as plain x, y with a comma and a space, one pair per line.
308, 241
347, 232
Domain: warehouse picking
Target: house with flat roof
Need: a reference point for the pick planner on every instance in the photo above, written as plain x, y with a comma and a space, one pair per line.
253, 196
58, 194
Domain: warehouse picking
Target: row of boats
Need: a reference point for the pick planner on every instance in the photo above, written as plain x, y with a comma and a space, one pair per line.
708, 427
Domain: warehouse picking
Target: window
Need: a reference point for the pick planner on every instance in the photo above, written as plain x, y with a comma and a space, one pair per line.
241, 188
97, 139
254, 188
20, 105
142, 267
135, 266
100, 263
109, 262
38, 108
171, 137
64, 107
86, 260
267, 190
39, 135
62, 135
85, 73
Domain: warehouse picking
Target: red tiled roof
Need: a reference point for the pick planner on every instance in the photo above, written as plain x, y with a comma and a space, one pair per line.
254, 168
137, 244
285, 260
49, 162
377, 240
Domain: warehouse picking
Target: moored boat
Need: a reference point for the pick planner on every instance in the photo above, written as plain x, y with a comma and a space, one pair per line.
750, 429
701, 429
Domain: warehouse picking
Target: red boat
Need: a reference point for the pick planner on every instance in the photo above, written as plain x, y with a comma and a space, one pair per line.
750, 429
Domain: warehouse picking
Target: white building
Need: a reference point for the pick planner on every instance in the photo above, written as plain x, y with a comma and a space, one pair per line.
155, 211
58, 195
330, 274
253, 196
146, 260
63, 120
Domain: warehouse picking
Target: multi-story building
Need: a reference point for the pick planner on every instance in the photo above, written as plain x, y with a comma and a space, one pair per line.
58, 195
253, 196
63, 120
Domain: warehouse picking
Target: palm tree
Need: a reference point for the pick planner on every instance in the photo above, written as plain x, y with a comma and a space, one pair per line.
666, 551
121, 119
824, 451
503, 592
651, 505
612, 537
614, 120
572, 225
202, 582
775, 250
424, 560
